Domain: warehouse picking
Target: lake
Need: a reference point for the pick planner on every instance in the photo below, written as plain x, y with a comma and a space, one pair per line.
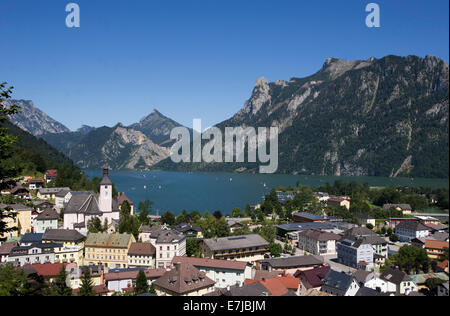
178, 191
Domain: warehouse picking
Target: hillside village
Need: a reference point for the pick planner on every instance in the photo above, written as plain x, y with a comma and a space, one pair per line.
54, 232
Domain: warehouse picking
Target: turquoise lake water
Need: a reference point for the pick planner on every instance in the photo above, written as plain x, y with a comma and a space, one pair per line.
178, 191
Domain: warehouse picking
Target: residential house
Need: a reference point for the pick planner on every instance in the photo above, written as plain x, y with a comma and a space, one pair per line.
379, 244
49, 193
311, 279
72, 249
121, 198
47, 271
421, 279
142, 255
75, 274
189, 231
234, 224
340, 284
338, 202
435, 248
168, 245
305, 217
34, 254
279, 286
62, 198
150, 233
184, 280
109, 250
225, 273
119, 281
406, 209
364, 220
352, 252
5, 249
20, 192
34, 184
248, 248
318, 242
295, 228
48, 219
50, 175
408, 230
404, 285
290, 265
29, 239
21, 222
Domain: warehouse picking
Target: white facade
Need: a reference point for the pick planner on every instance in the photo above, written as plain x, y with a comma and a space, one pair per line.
165, 252
42, 225
316, 247
384, 286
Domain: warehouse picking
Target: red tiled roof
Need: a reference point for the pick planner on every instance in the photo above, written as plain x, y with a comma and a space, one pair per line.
124, 275
443, 264
122, 198
275, 286
314, 276
47, 269
290, 282
99, 289
141, 249
213, 263
6, 247
36, 180
436, 244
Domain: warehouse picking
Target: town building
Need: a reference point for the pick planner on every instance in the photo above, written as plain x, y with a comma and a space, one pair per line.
312, 278
67, 237
124, 279
29, 239
435, 248
20, 192
339, 284
189, 231
364, 220
21, 222
34, 184
33, 254
318, 242
408, 230
142, 255
338, 202
49, 193
353, 252
406, 209
225, 273
248, 248
305, 217
404, 285
184, 280
83, 207
291, 265
5, 249
50, 175
109, 250
168, 245
48, 219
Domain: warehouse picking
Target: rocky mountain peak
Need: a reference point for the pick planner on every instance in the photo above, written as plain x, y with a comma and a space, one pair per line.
260, 95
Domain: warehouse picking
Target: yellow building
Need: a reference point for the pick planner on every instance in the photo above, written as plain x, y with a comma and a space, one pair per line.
110, 250
22, 220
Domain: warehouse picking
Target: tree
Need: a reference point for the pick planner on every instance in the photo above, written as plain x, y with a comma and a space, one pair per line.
433, 283
269, 233
87, 285
125, 209
275, 249
141, 283
168, 218
4, 215
145, 206
248, 210
393, 238
217, 214
13, 282
95, 225
59, 287
152, 289
369, 226
236, 212
192, 247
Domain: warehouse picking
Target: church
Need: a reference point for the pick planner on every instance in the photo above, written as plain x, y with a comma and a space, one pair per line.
84, 206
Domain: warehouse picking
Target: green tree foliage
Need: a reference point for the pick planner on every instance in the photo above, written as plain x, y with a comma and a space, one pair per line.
275, 249
125, 209
192, 247
411, 259
87, 285
267, 232
94, 225
59, 287
214, 227
237, 212
13, 282
141, 283
433, 283
168, 218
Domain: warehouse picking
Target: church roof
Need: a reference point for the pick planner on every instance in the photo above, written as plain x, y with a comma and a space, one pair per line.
105, 180
83, 203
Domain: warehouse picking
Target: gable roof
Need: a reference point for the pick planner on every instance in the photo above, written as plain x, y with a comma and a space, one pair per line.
361, 275
264, 275
365, 291
5, 248
84, 202
132, 274
141, 249
314, 276
31, 238
412, 226
48, 214
310, 216
62, 235
185, 227
235, 242
436, 244
293, 262
211, 263
338, 280
122, 198
108, 240
48, 269
184, 278
319, 235
395, 276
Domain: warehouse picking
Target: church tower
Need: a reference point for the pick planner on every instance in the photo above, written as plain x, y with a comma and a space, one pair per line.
105, 198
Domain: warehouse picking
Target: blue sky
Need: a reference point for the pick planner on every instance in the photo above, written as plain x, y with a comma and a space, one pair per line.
192, 58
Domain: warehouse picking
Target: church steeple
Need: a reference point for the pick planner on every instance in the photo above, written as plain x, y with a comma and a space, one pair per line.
105, 198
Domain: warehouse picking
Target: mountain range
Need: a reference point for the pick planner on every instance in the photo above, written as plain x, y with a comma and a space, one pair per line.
377, 117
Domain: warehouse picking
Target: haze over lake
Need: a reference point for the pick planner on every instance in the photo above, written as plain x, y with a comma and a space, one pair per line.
178, 191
